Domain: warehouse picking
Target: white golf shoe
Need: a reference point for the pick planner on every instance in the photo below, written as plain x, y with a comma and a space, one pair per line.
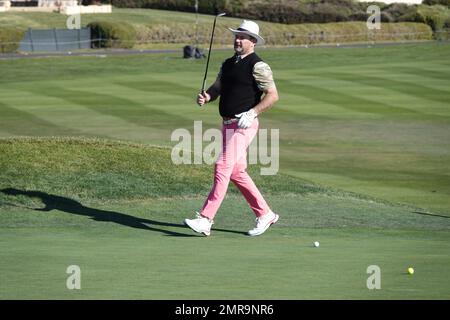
263, 223
200, 224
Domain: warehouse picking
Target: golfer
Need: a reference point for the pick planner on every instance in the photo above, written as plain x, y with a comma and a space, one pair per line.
246, 89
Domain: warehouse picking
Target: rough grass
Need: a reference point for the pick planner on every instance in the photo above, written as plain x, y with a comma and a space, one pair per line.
101, 170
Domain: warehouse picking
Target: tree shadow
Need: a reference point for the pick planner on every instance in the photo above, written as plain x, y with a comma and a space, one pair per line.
54, 202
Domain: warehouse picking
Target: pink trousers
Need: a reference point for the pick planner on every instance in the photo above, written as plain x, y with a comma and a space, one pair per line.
232, 165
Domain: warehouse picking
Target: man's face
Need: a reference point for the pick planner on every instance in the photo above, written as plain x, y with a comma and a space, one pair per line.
243, 43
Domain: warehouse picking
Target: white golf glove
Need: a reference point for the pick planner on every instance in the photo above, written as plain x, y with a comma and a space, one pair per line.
246, 118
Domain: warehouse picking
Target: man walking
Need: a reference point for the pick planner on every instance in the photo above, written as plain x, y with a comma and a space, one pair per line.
246, 89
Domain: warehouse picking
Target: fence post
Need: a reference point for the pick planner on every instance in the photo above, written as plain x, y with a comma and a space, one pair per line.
56, 39
31, 39
79, 37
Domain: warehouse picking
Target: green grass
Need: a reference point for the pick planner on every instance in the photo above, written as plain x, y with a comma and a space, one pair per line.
116, 209
86, 179
165, 262
368, 120
101, 170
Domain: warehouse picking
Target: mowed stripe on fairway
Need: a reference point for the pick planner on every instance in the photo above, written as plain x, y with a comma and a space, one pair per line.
22, 123
60, 117
411, 88
155, 104
379, 91
106, 109
354, 103
425, 74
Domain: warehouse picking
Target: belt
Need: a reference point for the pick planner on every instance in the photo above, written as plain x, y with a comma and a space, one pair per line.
229, 120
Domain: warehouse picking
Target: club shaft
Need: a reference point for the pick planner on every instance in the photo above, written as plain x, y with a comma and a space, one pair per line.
209, 54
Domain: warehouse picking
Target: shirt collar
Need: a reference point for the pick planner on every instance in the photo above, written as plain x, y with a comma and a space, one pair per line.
240, 57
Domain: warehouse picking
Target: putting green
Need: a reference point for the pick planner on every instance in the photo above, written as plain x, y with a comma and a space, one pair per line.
142, 251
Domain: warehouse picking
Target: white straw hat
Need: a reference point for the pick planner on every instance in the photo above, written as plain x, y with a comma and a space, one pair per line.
251, 28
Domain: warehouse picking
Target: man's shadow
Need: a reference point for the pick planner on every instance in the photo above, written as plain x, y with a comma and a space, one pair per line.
54, 202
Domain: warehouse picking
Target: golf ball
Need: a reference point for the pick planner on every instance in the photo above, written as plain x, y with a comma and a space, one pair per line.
316, 244
410, 270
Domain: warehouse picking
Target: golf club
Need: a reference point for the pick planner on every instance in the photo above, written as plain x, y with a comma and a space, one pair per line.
209, 52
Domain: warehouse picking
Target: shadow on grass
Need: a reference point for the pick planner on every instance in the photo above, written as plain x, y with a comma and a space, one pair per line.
54, 202
430, 214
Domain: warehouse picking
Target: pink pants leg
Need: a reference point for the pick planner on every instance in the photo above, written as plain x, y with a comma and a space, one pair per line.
232, 165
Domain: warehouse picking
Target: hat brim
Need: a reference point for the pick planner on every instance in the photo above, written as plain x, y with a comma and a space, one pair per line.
259, 40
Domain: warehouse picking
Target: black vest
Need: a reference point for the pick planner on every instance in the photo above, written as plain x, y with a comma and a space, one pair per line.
239, 91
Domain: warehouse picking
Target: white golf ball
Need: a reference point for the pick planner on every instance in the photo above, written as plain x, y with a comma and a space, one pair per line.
316, 244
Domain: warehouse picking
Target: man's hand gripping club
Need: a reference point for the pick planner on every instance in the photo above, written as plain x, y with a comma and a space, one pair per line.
203, 98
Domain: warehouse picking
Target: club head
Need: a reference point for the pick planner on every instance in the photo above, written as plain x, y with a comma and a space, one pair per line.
221, 14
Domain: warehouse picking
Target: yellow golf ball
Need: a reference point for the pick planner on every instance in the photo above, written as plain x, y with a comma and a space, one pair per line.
410, 270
